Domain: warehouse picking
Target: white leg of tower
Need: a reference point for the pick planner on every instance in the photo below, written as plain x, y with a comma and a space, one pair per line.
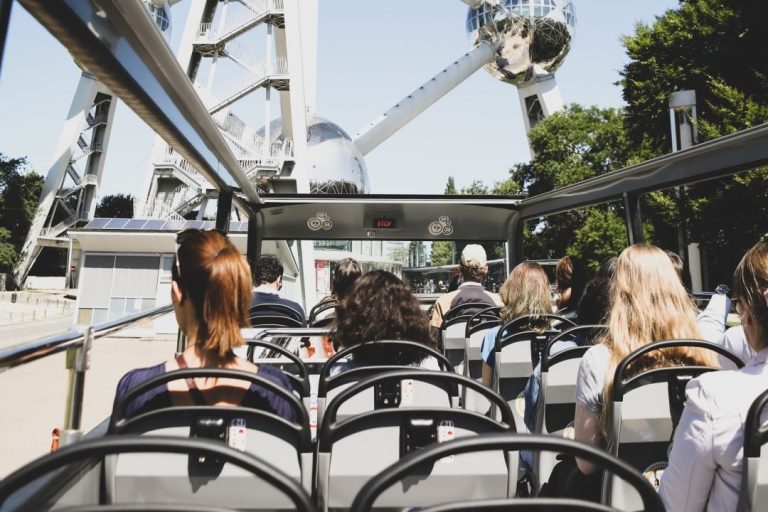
84, 100
281, 51
539, 99
308, 20
419, 100
184, 56
299, 32
298, 106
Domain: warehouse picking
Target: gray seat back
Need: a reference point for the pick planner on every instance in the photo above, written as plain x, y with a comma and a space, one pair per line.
412, 466
646, 408
230, 485
754, 481
352, 450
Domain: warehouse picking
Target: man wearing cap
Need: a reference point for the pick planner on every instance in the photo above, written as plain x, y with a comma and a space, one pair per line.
474, 267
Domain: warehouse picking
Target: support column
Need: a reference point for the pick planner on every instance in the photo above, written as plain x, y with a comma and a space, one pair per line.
255, 238
633, 218
224, 210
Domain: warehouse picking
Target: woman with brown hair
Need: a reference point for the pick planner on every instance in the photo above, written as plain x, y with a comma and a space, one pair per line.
525, 292
648, 304
381, 307
211, 294
705, 464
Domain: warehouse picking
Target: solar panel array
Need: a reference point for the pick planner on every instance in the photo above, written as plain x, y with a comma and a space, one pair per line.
174, 225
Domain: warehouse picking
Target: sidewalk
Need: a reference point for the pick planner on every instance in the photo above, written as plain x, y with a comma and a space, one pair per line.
31, 306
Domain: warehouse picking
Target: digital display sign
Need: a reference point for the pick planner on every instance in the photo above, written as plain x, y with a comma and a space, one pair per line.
384, 223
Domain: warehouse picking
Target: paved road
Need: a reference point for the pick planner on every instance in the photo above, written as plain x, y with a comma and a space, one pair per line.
32, 396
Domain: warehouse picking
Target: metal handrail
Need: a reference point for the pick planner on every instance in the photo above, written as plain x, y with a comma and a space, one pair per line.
77, 344
72, 338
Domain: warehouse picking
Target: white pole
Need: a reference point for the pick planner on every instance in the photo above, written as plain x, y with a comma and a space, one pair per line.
419, 100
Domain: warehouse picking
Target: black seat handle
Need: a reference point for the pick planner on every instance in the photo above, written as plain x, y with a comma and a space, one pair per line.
320, 307
111, 445
507, 442
428, 351
621, 384
458, 313
546, 356
523, 321
439, 379
118, 412
755, 434
303, 377
488, 317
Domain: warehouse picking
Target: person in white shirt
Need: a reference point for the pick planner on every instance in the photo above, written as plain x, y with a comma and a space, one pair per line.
712, 320
705, 463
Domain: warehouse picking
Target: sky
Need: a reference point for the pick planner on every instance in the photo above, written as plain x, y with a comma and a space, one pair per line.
370, 55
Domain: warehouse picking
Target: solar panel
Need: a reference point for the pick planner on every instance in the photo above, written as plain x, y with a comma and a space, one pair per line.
97, 223
116, 223
135, 224
154, 224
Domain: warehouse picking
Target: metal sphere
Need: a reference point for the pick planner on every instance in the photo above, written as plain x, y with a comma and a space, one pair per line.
334, 163
531, 37
160, 11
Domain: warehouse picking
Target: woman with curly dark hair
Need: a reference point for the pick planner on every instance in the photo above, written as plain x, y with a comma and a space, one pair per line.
380, 307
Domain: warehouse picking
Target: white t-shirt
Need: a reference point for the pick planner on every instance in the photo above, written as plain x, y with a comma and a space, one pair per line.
591, 379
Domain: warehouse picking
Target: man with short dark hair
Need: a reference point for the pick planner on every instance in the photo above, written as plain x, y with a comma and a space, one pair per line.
473, 266
268, 274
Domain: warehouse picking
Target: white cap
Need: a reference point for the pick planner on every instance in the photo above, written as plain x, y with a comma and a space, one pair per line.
474, 256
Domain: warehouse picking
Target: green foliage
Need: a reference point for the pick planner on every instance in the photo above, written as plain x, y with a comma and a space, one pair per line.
442, 253
8, 255
115, 205
717, 48
571, 146
19, 192
450, 187
602, 235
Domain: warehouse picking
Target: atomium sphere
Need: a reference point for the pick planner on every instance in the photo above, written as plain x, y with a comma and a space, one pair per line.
160, 11
334, 163
531, 37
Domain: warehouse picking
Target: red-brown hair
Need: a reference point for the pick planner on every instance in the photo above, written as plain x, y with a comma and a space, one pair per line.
217, 279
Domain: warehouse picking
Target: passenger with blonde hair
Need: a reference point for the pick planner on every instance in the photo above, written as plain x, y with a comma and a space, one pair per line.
211, 295
525, 292
705, 464
648, 304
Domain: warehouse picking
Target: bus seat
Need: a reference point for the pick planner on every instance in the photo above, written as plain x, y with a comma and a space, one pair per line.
352, 451
329, 386
289, 363
272, 314
453, 331
283, 443
412, 467
646, 408
754, 479
156, 487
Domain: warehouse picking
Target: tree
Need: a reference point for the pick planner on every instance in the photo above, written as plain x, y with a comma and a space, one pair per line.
19, 193
115, 205
570, 146
717, 48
